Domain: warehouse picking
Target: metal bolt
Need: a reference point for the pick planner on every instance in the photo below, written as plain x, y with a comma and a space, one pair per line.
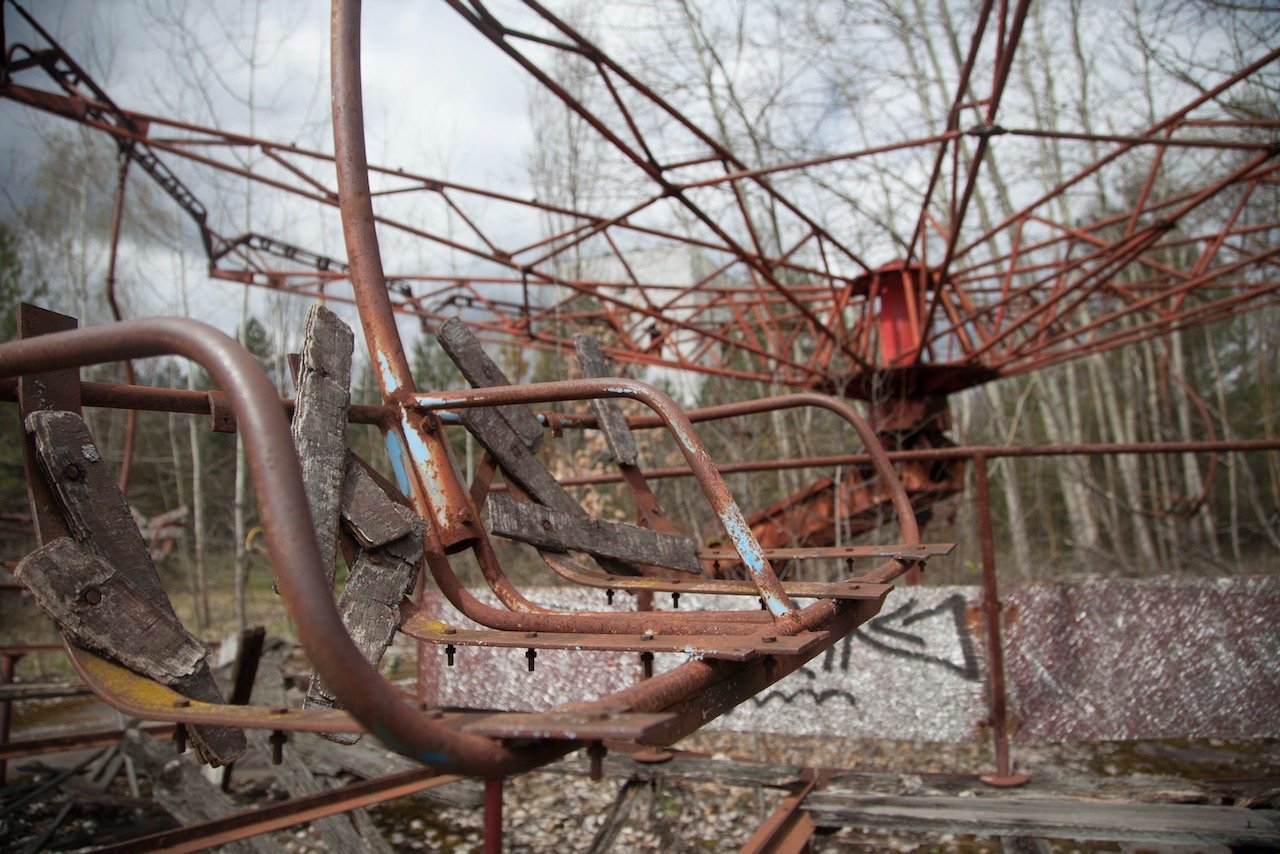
448, 654
675, 600
277, 740
71, 471
768, 639
180, 738
448, 630
279, 710
91, 596
597, 753
608, 595
181, 702
648, 635
531, 655
646, 661
531, 634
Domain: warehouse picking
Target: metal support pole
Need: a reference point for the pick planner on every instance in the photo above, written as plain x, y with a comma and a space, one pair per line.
7, 666
493, 815
991, 609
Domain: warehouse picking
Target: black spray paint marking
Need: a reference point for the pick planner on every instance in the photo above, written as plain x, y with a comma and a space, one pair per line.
818, 697
887, 633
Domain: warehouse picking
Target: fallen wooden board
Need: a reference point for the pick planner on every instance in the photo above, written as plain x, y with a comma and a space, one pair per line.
1050, 817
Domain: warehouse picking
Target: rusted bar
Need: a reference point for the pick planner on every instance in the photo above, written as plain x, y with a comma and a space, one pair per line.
77, 741
493, 815
991, 612
220, 831
8, 663
959, 452
180, 400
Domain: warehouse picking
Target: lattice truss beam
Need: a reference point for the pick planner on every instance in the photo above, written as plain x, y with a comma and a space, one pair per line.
779, 291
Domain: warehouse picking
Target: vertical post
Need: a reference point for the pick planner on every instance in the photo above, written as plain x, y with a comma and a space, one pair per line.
10, 660
493, 816
991, 609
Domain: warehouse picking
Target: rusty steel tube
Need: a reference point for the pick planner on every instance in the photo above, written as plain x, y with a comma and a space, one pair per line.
286, 518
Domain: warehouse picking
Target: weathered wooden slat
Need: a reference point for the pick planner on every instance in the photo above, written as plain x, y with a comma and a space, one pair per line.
1056, 818
179, 787
622, 444
617, 816
517, 462
464, 349
381, 575
89, 499
372, 518
550, 529
380, 580
320, 422
98, 608
97, 516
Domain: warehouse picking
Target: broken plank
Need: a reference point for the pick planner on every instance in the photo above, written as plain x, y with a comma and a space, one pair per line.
550, 529
179, 787
371, 761
320, 422
99, 610
370, 515
464, 349
96, 515
609, 417
516, 460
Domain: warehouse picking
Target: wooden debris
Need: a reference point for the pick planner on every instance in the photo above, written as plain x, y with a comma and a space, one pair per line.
1050, 817
351, 831
617, 816
381, 575
98, 519
550, 529
320, 422
622, 444
464, 349
179, 787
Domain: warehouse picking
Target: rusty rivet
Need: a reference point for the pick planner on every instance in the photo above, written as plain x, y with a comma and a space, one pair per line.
531, 634
181, 702
648, 634
768, 639
91, 596
448, 630
71, 471
279, 710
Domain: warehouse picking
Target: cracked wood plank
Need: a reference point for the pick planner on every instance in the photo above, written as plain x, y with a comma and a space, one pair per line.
97, 517
320, 422
464, 349
546, 528
611, 421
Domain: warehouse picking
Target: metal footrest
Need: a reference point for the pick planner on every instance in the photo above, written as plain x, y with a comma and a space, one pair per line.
719, 647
